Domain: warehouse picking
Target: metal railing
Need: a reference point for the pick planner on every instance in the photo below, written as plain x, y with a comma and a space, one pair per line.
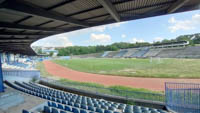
157, 97
183, 97
22, 73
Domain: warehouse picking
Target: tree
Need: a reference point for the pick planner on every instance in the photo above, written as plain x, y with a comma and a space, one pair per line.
39, 51
51, 54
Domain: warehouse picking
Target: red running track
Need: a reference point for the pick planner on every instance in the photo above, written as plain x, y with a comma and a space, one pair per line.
156, 84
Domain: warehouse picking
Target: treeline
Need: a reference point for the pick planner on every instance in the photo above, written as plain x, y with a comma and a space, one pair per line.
78, 50
193, 39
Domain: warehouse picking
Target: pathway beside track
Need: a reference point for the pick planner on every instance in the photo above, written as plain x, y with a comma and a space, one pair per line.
156, 84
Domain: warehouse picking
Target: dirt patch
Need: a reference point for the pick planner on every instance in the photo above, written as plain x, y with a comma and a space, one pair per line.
156, 84
127, 70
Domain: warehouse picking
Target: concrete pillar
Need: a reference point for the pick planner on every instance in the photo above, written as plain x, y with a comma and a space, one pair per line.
1, 77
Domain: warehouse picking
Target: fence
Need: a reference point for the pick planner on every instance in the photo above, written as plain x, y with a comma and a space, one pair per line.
183, 97
20, 75
157, 97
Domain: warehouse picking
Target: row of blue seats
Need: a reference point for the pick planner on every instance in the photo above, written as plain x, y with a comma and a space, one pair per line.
125, 108
138, 108
91, 108
54, 104
142, 109
77, 102
79, 108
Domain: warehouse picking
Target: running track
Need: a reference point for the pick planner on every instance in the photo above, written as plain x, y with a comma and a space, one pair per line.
156, 84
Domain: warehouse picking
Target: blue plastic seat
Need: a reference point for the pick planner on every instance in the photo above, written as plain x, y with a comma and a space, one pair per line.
47, 109
53, 99
83, 111
54, 104
75, 110
25, 111
64, 102
71, 103
99, 110
108, 111
91, 108
49, 103
63, 111
60, 106
128, 111
68, 108
58, 100
116, 112
84, 106
146, 112
111, 108
104, 107
77, 105
54, 110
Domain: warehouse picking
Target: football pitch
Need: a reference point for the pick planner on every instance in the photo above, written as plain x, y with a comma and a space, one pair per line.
160, 68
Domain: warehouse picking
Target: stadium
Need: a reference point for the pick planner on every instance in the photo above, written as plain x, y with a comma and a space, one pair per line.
157, 77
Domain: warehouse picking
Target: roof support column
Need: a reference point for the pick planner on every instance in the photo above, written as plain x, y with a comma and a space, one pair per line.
1, 77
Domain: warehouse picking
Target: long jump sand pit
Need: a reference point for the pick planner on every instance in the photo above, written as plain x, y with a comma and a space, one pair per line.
156, 84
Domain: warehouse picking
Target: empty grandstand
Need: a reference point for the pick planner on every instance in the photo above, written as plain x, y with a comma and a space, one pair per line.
62, 102
190, 52
152, 53
140, 53
171, 44
121, 54
24, 21
170, 53
147, 52
111, 54
93, 55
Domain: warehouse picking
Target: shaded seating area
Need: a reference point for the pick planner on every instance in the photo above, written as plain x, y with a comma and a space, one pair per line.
64, 102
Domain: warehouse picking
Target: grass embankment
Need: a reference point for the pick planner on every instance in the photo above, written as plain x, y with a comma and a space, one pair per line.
43, 72
138, 93
163, 68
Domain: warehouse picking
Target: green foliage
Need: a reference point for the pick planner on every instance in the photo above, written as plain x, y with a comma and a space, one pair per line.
34, 79
164, 68
78, 50
193, 39
51, 54
39, 51
128, 92
87, 84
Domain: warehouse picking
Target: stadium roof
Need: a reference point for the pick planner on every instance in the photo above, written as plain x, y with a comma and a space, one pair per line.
25, 21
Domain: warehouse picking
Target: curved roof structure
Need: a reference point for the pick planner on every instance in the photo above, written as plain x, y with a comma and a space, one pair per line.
25, 21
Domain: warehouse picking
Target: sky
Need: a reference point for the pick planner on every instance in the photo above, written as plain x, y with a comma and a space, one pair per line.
142, 30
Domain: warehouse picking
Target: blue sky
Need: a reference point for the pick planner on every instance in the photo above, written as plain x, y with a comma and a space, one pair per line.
142, 30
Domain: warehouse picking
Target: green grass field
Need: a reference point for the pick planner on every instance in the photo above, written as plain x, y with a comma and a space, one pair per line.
137, 93
163, 68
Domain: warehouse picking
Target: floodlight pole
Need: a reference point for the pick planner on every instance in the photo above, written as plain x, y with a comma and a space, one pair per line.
1, 77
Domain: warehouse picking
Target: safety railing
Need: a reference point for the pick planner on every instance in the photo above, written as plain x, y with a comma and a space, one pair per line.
157, 97
183, 97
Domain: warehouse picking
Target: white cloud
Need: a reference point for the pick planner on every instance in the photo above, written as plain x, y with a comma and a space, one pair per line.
100, 38
54, 41
102, 28
63, 40
123, 36
98, 28
134, 40
158, 39
172, 20
188, 24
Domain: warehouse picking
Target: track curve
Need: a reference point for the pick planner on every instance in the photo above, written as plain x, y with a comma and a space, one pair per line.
156, 84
